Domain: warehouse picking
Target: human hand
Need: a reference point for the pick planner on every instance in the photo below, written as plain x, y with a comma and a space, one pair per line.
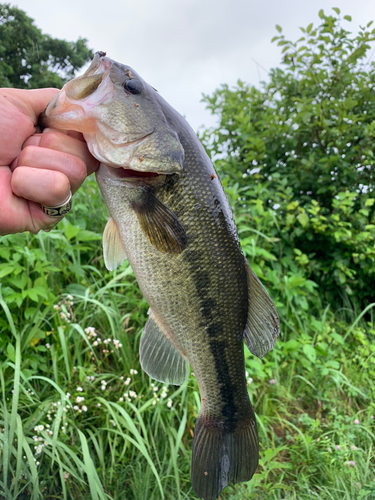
36, 168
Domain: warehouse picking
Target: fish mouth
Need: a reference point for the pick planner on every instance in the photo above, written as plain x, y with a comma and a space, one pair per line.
131, 177
128, 173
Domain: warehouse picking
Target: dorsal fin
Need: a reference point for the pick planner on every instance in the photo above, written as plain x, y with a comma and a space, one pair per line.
262, 327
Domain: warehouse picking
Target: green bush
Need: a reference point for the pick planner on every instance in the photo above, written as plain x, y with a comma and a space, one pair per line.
307, 136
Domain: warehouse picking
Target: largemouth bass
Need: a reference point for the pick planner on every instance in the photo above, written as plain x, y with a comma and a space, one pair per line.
171, 219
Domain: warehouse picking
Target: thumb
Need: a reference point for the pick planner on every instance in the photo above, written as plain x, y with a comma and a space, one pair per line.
31, 102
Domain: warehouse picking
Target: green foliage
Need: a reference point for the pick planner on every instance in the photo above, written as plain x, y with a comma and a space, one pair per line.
70, 333
29, 59
308, 136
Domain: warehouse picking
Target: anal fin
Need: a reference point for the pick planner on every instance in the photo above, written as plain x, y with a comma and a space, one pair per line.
262, 327
113, 248
159, 357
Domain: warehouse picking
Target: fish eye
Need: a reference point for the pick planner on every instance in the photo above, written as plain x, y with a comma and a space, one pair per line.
133, 86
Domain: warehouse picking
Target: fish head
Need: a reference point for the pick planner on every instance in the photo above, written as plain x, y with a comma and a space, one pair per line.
120, 116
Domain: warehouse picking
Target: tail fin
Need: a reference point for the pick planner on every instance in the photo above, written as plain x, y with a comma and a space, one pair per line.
220, 456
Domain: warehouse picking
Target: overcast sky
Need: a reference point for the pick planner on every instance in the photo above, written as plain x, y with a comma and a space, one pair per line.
185, 48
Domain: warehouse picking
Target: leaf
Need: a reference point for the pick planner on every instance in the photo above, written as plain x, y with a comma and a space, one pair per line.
310, 352
5, 269
338, 338
296, 281
303, 219
293, 205
11, 352
292, 345
70, 231
350, 103
279, 28
369, 202
349, 18
333, 364
321, 13
309, 27
336, 9
84, 235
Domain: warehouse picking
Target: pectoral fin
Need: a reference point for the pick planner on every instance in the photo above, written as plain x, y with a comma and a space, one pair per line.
159, 357
262, 327
113, 248
160, 225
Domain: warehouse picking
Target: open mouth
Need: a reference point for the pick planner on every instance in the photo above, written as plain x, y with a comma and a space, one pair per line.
128, 173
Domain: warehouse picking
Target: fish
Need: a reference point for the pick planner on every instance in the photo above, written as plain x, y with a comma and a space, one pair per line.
171, 219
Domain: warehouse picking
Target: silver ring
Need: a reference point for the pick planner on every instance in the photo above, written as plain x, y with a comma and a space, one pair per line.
59, 210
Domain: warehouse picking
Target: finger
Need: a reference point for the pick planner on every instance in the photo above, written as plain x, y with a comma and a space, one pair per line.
48, 159
17, 214
64, 143
19, 111
71, 133
47, 187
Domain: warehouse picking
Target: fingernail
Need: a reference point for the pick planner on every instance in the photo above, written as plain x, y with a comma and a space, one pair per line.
34, 140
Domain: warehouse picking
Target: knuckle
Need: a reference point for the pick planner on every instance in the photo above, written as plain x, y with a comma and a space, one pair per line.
61, 186
49, 140
78, 170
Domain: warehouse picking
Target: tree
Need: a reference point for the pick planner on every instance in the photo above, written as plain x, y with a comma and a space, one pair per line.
309, 134
30, 59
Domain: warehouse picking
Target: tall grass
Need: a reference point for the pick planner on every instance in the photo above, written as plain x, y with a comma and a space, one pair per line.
79, 418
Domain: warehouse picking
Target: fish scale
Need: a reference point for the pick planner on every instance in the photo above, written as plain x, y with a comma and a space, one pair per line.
171, 219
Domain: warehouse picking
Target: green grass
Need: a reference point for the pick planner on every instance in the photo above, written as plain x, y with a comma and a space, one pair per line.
131, 439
